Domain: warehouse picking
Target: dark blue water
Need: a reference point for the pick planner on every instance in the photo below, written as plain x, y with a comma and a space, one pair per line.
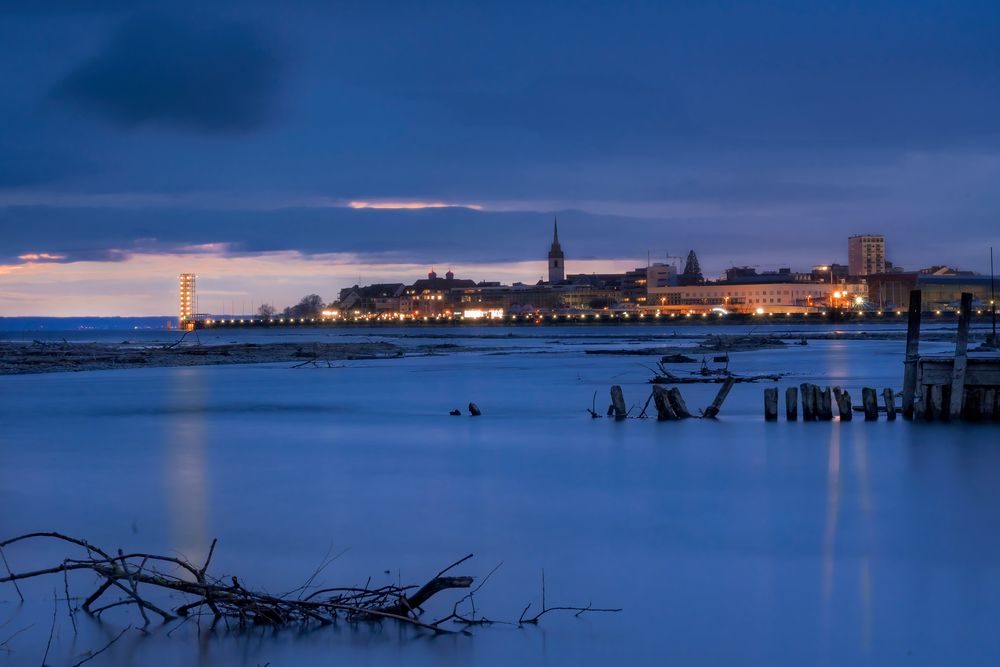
728, 542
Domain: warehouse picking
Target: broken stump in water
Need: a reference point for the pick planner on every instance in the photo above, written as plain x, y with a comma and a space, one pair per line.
455, 413
677, 403
890, 404
844, 406
713, 410
474, 410
870, 403
771, 404
618, 402
664, 411
791, 404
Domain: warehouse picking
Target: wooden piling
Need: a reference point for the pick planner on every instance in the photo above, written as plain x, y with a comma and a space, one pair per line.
808, 401
677, 403
664, 411
474, 410
771, 404
989, 407
713, 410
844, 407
870, 401
792, 404
961, 358
824, 402
618, 402
912, 354
890, 404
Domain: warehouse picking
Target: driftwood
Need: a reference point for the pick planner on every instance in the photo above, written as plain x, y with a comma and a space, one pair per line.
143, 579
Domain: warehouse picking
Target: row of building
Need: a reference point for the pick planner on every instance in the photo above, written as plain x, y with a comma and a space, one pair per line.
868, 282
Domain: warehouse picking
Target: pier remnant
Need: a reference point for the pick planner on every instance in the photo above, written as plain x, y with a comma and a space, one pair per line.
618, 402
677, 403
870, 402
771, 404
791, 404
808, 401
961, 358
844, 408
664, 411
912, 354
890, 404
824, 400
712, 411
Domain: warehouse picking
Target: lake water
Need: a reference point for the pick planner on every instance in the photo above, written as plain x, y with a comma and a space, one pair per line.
727, 542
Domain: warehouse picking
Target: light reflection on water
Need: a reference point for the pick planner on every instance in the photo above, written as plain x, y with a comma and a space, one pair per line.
730, 542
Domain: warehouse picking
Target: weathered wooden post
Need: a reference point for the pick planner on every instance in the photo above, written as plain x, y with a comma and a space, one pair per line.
618, 402
664, 411
808, 401
771, 404
890, 404
713, 410
677, 403
825, 400
870, 401
844, 407
792, 403
912, 354
474, 410
961, 359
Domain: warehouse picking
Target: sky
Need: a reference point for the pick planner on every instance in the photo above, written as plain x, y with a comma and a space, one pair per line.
280, 149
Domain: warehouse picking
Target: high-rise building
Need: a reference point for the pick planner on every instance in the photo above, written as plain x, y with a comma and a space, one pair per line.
187, 305
866, 254
557, 263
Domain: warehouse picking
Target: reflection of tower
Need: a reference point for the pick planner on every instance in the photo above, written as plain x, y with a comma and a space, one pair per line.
557, 264
186, 284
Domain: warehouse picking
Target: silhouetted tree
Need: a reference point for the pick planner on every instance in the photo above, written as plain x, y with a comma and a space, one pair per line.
310, 306
692, 271
266, 311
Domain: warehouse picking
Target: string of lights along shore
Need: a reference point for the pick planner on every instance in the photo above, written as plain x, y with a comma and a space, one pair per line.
869, 284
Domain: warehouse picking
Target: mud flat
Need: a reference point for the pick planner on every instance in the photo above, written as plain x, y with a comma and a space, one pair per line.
44, 357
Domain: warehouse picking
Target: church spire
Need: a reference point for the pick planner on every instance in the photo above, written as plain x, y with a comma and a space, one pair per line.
557, 268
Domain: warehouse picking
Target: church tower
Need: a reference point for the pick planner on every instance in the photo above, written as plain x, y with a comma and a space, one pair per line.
557, 265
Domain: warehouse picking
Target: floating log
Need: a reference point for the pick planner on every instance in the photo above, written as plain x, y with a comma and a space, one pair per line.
792, 404
474, 410
890, 404
712, 411
870, 401
844, 408
618, 402
961, 347
771, 404
912, 354
824, 406
664, 411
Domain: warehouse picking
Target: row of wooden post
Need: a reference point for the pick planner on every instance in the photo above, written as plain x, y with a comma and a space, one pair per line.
818, 403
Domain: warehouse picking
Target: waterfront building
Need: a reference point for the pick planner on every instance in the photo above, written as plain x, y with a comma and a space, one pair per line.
557, 261
432, 295
186, 289
866, 254
778, 296
941, 286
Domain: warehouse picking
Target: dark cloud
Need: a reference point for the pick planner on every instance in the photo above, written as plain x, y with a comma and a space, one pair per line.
210, 76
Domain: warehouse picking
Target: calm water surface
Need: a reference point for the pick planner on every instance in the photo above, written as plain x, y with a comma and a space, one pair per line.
728, 542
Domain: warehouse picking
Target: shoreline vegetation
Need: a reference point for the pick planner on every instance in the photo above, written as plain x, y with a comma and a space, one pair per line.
19, 358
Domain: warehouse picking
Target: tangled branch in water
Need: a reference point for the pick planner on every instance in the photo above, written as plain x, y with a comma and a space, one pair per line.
135, 575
